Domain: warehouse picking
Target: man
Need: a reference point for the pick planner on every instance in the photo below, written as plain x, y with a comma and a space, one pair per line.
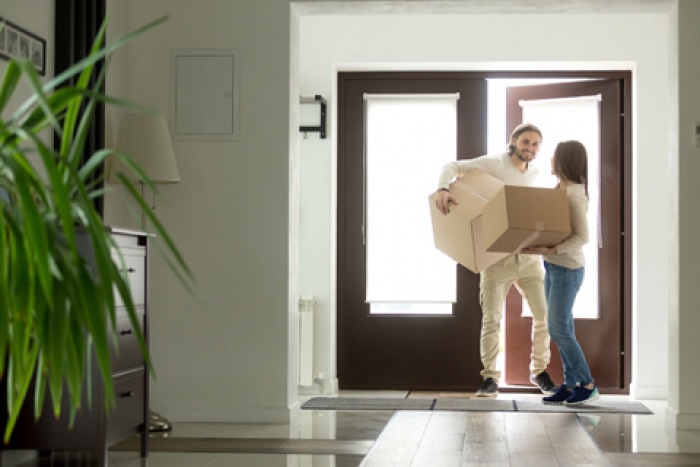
526, 271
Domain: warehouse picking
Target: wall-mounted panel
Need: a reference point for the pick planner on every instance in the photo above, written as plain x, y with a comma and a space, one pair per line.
204, 94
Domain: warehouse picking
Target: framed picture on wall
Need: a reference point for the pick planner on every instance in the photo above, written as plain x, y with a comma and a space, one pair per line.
17, 42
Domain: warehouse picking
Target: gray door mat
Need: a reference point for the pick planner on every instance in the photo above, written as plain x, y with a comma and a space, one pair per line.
598, 406
365, 403
471, 405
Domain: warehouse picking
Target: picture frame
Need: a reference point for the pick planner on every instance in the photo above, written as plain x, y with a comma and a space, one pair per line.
17, 42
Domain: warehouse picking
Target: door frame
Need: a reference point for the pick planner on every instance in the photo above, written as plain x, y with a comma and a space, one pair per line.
625, 77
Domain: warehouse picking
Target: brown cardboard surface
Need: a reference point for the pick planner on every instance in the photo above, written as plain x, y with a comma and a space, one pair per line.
458, 234
518, 216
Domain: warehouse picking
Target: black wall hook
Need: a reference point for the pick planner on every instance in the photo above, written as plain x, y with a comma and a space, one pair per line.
321, 128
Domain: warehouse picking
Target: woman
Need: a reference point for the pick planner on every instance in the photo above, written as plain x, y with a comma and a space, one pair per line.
564, 270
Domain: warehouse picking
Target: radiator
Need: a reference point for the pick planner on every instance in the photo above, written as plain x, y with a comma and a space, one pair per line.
307, 304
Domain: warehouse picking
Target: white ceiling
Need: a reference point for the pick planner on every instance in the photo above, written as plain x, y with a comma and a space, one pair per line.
348, 7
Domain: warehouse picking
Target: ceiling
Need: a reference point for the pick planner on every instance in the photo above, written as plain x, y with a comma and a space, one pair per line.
348, 7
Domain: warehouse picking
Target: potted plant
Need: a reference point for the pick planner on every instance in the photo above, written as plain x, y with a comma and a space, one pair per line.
56, 306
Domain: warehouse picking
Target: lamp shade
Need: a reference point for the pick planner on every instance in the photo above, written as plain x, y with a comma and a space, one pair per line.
146, 140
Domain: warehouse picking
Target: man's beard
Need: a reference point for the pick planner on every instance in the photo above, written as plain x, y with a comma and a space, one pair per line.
519, 155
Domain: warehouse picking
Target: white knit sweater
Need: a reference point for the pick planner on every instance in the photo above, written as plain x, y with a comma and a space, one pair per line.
570, 251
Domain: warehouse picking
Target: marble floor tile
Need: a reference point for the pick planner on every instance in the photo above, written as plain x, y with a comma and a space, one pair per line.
379, 438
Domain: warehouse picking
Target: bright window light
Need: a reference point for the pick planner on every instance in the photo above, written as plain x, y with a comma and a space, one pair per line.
565, 119
409, 139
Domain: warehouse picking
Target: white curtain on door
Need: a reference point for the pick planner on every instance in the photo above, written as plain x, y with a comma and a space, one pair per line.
409, 139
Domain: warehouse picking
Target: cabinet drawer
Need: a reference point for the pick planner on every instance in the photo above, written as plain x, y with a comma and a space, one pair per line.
129, 355
129, 410
135, 265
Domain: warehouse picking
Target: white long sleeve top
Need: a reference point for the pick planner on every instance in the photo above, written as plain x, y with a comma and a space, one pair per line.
500, 166
570, 251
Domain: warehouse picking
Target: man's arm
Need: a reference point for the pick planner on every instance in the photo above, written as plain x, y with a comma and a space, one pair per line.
451, 171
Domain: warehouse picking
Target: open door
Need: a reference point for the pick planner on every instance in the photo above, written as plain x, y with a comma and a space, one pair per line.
601, 314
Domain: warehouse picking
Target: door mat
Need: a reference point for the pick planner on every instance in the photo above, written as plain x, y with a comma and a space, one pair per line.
365, 403
471, 405
599, 406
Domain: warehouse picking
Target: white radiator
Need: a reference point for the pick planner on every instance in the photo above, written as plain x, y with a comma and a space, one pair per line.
307, 304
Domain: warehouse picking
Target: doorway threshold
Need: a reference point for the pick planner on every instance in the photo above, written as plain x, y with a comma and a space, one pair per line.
521, 389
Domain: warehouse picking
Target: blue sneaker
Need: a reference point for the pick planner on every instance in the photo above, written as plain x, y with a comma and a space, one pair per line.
559, 396
582, 395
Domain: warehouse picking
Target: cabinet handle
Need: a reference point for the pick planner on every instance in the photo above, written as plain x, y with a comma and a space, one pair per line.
127, 394
131, 270
126, 332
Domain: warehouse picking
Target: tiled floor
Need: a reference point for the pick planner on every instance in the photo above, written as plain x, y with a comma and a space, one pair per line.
410, 438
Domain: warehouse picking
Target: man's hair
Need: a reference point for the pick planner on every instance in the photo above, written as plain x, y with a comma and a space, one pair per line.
571, 162
519, 130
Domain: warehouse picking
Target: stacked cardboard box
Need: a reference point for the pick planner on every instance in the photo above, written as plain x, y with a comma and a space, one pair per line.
493, 220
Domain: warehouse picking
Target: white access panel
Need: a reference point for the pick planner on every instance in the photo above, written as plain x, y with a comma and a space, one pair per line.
204, 94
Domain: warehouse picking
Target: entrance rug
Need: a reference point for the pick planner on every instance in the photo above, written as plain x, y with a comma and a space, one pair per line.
470, 405
365, 403
599, 406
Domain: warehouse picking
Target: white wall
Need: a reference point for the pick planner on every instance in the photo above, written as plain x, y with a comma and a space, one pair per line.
684, 249
117, 85
329, 43
224, 355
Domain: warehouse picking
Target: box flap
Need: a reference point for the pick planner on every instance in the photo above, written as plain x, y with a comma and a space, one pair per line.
483, 257
453, 233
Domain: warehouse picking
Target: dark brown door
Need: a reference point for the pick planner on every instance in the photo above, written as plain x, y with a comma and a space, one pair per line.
605, 340
393, 351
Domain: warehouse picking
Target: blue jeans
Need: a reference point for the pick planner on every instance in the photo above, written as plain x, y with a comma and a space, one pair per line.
561, 286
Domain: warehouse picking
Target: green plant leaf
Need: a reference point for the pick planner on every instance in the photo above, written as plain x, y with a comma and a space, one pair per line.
42, 101
59, 266
9, 83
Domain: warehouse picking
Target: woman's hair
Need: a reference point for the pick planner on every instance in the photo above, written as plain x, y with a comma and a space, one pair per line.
519, 130
571, 162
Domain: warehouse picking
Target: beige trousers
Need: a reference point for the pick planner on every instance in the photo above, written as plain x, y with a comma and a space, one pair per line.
527, 273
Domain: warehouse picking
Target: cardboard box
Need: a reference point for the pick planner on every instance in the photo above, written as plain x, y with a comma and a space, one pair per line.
518, 216
458, 234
